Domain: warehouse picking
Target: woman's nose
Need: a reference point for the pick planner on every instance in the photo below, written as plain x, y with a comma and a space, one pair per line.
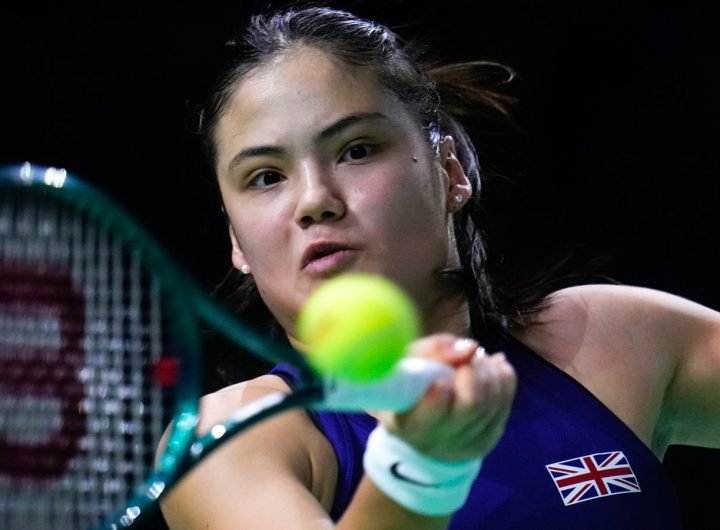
320, 199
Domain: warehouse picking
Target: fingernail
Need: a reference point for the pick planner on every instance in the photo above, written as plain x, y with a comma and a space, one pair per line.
500, 356
463, 345
479, 354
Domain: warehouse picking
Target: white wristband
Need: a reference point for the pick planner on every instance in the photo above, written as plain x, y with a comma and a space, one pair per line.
419, 483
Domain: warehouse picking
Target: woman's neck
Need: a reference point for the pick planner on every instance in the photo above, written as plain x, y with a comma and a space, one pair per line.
447, 314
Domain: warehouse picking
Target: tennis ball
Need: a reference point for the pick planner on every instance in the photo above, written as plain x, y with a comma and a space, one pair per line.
357, 326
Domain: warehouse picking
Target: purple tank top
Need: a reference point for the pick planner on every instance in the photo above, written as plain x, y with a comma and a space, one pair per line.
564, 462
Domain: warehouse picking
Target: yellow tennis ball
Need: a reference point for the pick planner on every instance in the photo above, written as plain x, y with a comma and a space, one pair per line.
357, 326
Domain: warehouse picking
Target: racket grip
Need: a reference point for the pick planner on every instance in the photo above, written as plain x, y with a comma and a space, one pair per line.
398, 392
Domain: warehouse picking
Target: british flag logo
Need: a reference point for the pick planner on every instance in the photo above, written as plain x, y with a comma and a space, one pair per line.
593, 476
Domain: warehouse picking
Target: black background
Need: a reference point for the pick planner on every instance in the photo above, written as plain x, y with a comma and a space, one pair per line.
618, 104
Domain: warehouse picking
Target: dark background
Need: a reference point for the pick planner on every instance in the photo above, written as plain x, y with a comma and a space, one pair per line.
614, 154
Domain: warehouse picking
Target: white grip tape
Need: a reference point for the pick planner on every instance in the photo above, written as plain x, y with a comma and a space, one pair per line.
398, 392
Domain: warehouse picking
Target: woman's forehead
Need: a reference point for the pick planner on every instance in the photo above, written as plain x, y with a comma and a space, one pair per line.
312, 75
301, 93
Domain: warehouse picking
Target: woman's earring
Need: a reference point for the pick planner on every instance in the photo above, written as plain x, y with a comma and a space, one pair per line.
458, 199
245, 269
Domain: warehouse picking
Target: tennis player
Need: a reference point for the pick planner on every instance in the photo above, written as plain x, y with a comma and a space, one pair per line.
336, 151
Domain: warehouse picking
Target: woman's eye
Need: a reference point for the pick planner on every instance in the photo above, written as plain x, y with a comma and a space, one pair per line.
264, 179
358, 152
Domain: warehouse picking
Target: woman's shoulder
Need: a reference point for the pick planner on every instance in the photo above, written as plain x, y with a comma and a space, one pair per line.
596, 319
289, 440
622, 306
599, 293
624, 343
286, 451
217, 406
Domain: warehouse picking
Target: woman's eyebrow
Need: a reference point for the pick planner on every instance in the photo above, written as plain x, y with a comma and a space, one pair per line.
250, 152
348, 121
325, 134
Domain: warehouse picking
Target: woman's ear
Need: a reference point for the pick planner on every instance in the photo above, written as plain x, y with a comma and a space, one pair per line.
459, 187
237, 256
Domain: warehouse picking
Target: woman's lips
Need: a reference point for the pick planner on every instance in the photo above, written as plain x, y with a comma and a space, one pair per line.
328, 260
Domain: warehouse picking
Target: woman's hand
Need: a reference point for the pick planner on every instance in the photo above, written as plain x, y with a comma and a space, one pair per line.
463, 417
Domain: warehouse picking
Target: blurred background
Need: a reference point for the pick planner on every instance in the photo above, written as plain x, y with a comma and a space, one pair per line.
613, 155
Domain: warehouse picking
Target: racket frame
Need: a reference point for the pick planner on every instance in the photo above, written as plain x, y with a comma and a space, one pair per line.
188, 305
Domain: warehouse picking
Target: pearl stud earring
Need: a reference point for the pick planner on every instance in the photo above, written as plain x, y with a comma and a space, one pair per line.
245, 269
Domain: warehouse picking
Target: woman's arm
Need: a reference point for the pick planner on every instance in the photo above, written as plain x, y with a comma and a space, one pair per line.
653, 358
263, 478
691, 334
282, 473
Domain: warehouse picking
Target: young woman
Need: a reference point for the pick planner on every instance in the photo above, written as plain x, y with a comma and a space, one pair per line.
335, 152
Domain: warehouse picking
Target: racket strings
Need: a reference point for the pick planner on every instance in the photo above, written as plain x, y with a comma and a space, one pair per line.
81, 328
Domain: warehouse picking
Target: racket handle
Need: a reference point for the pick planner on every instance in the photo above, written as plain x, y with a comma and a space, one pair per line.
398, 392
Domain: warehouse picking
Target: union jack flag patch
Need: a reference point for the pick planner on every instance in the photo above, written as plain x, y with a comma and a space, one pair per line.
590, 477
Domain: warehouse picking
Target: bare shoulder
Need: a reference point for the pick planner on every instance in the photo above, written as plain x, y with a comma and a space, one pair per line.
217, 406
624, 307
596, 297
625, 297
635, 348
289, 434
290, 439
285, 453
605, 318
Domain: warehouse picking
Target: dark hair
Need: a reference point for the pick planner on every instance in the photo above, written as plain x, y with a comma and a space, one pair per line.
437, 95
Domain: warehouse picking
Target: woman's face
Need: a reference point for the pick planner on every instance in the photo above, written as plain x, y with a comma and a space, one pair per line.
323, 171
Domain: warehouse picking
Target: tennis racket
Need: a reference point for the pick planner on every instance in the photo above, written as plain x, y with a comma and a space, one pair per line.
100, 351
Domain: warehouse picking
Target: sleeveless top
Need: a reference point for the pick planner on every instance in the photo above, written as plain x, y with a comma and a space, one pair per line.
565, 462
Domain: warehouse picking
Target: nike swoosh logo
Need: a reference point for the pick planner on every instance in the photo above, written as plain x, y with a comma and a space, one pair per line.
394, 471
